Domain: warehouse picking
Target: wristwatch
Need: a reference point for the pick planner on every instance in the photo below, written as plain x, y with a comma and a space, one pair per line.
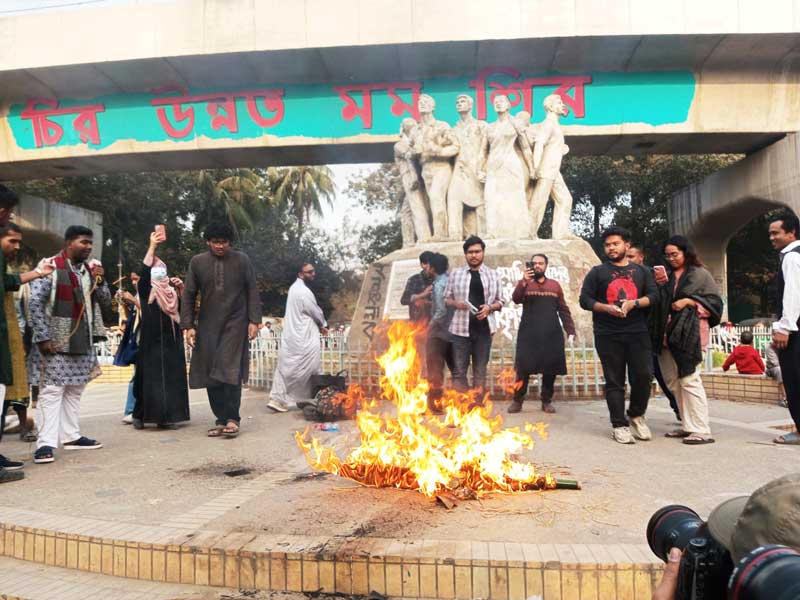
636, 303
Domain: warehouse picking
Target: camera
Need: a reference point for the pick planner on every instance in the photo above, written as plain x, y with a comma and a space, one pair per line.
707, 570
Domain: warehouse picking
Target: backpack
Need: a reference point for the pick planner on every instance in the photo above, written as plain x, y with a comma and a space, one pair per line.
325, 406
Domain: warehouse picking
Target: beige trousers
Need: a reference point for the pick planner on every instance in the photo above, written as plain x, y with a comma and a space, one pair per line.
689, 394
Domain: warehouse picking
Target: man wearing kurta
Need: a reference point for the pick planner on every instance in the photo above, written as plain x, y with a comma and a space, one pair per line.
229, 314
66, 322
540, 341
299, 356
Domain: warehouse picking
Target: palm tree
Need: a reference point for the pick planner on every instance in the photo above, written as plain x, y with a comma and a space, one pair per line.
241, 193
301, 190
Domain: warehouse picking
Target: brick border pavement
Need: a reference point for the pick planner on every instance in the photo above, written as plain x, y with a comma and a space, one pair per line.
398, 568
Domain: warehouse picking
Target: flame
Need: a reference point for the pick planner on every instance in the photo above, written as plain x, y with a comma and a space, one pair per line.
465, 450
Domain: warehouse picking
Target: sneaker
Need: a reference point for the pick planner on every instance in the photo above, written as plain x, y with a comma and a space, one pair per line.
7, 476
515, 407
83, 443
622, 435
10, 465
128, 419
277, 405
640, 429
43, 455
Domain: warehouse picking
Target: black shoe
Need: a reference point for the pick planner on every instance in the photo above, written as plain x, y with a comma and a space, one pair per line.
138, 424
7, 476
515, 406
548, 407
10, 465
83, 443
43, 455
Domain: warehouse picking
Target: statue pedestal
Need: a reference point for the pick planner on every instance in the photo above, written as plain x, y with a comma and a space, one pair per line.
385, 280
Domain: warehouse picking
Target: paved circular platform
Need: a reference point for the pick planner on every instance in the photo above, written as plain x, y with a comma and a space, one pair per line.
158, 504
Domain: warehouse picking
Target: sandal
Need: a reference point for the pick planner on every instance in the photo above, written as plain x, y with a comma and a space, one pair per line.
28, 436
677, 433
216, 431
788, 439
696, 440
231, 430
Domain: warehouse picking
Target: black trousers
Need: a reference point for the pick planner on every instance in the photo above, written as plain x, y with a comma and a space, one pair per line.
548, 384
673, 404
789, 359
225, 400
438, 353
620, 352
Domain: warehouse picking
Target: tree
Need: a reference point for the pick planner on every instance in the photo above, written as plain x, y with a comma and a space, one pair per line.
241, 194
380, 193
301, 190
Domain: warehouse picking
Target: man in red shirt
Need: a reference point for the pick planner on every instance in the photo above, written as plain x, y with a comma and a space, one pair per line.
745, 357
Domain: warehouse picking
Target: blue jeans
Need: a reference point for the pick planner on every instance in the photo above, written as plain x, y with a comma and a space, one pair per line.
131, 401
476, 348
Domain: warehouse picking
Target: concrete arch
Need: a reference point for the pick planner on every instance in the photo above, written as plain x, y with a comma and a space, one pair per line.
710, 212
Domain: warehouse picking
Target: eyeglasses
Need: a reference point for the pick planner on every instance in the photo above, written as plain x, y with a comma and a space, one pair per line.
309, 272
673, 255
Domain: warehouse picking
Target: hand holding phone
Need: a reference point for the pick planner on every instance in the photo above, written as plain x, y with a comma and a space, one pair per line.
660, 273
162, 231
473, 309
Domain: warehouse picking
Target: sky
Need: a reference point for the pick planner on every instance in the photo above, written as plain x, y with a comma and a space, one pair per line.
344, 209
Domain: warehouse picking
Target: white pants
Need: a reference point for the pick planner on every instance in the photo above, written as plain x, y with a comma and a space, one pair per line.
58, 410
689, 394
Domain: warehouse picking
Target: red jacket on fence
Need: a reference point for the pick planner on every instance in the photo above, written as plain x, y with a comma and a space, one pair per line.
747, 359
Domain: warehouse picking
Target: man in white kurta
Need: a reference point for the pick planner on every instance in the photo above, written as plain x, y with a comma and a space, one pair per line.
299, 354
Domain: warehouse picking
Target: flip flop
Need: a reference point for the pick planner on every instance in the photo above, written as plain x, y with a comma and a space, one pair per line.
677, 433
788, 439
694, 440
215, 431
231, 430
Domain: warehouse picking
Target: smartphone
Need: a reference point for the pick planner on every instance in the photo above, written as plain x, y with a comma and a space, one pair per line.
660, 270
472, 308
528, 265
162, 230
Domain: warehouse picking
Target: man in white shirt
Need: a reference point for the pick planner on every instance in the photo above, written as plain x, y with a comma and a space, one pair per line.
299, 354
784, 231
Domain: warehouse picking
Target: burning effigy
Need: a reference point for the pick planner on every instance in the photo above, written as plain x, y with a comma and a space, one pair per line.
465, 452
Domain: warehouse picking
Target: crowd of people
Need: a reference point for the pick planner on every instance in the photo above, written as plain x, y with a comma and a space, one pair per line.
647, 321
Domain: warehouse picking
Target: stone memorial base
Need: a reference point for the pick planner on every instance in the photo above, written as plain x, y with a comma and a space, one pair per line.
385, 280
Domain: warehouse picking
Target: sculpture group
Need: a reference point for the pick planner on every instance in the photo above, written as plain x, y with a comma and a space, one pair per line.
492, 180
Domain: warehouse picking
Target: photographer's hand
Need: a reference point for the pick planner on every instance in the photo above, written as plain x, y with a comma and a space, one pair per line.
668, 586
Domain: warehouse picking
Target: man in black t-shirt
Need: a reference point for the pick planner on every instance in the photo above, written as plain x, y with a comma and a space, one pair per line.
616, 292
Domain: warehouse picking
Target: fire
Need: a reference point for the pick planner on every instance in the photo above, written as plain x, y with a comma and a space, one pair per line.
466, 450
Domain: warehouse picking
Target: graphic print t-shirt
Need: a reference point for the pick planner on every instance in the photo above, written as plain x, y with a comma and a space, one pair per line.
609, 284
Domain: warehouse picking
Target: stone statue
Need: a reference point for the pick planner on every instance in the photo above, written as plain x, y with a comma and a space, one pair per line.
548, 150
466, 212
504, 173
414, 218
435, 144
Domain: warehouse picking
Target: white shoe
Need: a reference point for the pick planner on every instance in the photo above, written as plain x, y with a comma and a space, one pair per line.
640, 429
277, 405
622, 435
128, 419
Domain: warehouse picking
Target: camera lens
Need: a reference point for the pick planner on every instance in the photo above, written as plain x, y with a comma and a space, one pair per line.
671, 527
767, 573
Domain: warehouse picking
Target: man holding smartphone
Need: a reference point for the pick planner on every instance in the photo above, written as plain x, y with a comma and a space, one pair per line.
616, 292
474, 292
540, 340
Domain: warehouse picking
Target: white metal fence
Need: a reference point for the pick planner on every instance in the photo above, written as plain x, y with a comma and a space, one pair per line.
584, 378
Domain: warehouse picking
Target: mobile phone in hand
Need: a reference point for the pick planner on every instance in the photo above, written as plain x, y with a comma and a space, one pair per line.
162, 230
472, 308
660, 271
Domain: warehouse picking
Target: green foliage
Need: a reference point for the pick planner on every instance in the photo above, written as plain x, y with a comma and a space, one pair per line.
301, 191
